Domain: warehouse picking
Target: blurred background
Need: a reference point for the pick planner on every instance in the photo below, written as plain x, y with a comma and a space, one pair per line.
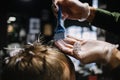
21, 21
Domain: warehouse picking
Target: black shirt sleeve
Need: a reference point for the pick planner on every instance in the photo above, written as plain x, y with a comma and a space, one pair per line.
109, 21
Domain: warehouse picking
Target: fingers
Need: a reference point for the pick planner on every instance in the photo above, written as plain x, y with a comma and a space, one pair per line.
75, 38
71, 40
55, 1
66, 48
54, 9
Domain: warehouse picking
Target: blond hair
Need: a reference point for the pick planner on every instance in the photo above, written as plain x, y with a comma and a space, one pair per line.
38, 62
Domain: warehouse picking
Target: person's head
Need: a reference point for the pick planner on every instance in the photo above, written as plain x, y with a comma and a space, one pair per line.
38, 62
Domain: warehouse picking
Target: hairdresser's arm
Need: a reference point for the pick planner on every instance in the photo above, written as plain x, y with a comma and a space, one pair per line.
88, 51
76, 10
104, 19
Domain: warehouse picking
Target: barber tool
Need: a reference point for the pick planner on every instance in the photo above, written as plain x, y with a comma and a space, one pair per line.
60, 29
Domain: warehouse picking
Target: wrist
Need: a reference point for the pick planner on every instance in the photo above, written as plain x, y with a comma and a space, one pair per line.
85, 12
92, 14
115, 58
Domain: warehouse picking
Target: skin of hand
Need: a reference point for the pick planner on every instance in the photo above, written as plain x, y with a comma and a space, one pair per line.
72, 9
86, 51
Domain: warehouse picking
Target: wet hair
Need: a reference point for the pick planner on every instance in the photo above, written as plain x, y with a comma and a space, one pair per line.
38, 62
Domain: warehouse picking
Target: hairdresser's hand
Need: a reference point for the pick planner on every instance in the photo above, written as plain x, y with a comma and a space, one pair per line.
86, 51
72, 9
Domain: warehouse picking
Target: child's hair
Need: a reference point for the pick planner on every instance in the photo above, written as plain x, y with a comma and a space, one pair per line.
38, 62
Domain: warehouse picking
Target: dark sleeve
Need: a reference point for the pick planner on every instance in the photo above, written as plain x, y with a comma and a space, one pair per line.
109, 21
